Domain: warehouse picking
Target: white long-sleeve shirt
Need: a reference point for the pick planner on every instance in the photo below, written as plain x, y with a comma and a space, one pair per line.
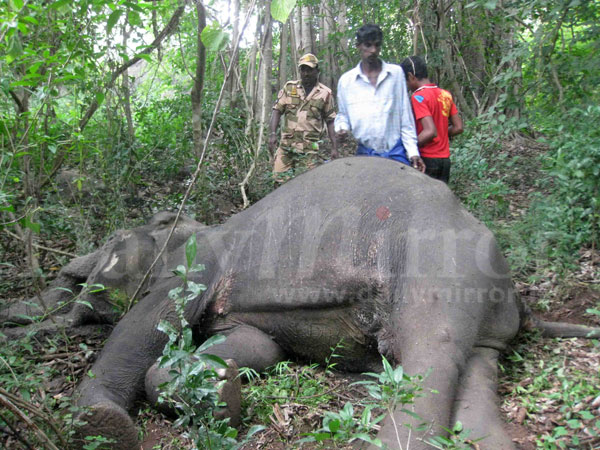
377, 115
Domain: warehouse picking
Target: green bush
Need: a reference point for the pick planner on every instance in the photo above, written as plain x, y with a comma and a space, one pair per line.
566, 217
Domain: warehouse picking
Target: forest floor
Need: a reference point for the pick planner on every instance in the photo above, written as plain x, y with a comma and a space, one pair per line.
548, 387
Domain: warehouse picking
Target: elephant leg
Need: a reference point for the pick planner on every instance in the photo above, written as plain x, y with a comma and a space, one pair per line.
434, 409
245, 346
249, 347
428, 340
477, 403
117, 378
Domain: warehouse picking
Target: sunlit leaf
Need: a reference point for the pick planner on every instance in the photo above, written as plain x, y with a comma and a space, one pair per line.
113, 19
145, 57
59, 4
214, 38
16, 5
281, 9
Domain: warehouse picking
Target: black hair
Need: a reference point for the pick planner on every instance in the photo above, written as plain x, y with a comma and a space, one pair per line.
416, 66
369, 33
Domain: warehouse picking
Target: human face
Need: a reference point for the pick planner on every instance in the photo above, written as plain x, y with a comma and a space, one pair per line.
309, 75
411, 82
369, 51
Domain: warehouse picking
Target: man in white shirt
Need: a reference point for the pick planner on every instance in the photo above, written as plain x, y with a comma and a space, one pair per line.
374, 105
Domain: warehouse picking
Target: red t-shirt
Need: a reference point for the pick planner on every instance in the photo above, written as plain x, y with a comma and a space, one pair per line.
430, 100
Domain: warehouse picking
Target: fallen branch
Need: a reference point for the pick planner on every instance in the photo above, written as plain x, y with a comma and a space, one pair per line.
41, 247
6, 400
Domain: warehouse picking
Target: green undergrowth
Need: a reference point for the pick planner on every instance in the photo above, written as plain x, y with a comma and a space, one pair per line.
29, 369
543, 205
541, 377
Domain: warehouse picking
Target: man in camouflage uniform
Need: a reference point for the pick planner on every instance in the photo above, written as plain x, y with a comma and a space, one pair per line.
306, 105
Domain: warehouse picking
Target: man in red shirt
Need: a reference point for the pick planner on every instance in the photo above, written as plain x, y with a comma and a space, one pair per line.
436, 116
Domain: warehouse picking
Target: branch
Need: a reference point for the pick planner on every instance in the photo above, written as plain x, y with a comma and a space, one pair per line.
17, 100
169, 28
41, 247
22, 416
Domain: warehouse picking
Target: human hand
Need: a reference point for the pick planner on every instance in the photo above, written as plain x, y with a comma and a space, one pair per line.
418, 163
341, 135
272, 143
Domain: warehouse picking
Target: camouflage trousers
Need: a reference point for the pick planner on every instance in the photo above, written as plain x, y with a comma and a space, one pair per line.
291, 161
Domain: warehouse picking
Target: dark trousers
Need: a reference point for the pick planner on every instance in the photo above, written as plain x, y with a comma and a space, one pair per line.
438, 168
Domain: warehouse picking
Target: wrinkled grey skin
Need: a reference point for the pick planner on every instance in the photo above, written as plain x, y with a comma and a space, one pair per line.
361, 249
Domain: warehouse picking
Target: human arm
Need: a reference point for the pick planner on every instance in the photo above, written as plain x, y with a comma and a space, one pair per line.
329, 116
275, 118
408, 130
333, 139
428, 133
342, 121
456, 125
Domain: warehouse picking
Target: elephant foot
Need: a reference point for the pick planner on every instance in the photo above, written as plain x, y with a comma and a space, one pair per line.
229, 392
110, 421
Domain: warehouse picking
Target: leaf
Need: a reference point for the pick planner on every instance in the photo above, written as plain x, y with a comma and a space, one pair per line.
166, 328
113, 19
213, 359
213, 340
15, 48
560, 431
281, 9
214, 38
85, 303
490, 4
365, 437
100, 98
255, 429
134, 19
59, 4
145, 56
23, 28
190, 250
334, 425
35, 227
16, 5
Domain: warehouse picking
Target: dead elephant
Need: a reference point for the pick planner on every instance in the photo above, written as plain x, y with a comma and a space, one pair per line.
361, 249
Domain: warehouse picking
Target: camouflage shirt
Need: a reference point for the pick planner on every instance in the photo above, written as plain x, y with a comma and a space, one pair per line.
304, 116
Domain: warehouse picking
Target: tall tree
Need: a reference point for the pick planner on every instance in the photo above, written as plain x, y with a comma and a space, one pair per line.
198, 80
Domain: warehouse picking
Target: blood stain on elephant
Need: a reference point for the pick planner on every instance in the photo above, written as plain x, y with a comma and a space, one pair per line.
383, 213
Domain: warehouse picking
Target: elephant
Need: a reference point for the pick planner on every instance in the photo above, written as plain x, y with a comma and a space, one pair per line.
363, 249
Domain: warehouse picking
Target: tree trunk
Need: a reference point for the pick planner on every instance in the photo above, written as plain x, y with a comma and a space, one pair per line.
127, 94
267, 65
283, 61
232, 85
328, 68
294, 47
342, 28
196, 94
306, 40
297, 17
